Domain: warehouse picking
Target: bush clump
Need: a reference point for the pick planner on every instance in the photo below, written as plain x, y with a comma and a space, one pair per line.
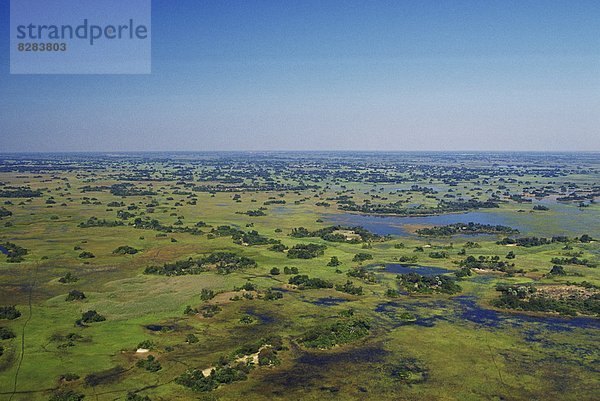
125, 250
75, 295
195, 379
9, 312
150, 364
6, 333
414, 282
66, 395
305, 282
340, 332
91, 316
306, 251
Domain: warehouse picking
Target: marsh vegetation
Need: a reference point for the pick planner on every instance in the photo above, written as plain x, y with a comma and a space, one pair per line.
299, 276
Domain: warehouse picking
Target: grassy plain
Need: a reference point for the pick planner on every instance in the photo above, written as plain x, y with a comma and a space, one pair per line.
456, 350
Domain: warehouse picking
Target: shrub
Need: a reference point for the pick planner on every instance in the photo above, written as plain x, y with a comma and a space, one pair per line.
125, 250
334, 261
195, 379
6, 333
341, 332
349, 288
278, 248
271, 295
267, 356
75, 295
304, 282
66, 395
146, 344
246, 319
69, 377
414, 282
223, 262
206, 294
209, 310
14, 252
361, 257
150, 364
191, 339
92, 316
306, 251
131, 396
292, 270
68, 278
9, 312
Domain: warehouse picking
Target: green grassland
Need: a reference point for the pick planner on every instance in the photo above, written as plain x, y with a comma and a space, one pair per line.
460, 347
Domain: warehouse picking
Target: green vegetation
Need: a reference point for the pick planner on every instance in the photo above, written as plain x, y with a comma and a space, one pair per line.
86, 255
337, 234
4, 212
222, 262
91, 316
68, 278
303, 302
574, 260
136, 397
349, 288
439, 255
9, 312
207, 294
66, 395
408, 370
468, 229
414, 282
338, 333
125, 250
6, 333
195, 379
528, 298
362, 256
14, 253
334, 262
532, 241
19, 192
304, 282
486, 263
306, 251
75, 295
150, 364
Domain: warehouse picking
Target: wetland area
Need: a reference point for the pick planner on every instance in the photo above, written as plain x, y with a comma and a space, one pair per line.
299, 276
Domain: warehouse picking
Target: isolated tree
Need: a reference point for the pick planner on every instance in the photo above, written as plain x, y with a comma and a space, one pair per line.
334, 261
75, 295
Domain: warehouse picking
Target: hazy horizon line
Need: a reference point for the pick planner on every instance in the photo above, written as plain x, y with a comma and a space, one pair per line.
292, 151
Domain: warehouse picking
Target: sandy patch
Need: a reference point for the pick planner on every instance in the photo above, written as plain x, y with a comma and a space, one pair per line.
565, 291
252, 358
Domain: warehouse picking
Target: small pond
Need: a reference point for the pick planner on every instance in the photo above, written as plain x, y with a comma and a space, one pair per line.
328, 301
158, 327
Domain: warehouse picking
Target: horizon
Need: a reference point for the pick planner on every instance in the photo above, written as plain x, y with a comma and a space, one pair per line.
271, 76
430, 151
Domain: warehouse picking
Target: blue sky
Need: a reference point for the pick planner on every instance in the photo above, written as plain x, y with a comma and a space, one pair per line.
329, 75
